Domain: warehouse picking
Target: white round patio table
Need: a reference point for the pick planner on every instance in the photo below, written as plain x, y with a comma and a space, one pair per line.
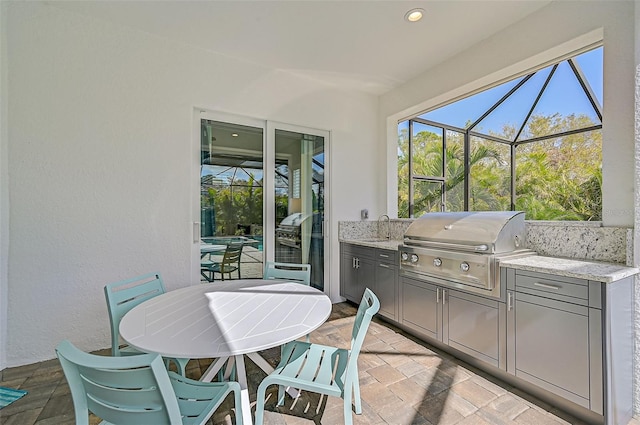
226, 320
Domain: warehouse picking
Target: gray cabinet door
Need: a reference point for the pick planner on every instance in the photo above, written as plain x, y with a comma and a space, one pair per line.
357, 271
386, 288
348, 277
551, 346
366, 277
475, 326
421, 307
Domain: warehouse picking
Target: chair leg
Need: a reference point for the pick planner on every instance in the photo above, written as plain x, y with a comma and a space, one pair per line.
280, 395
238, 404
356, 396
181, 365
260, 396
348, 420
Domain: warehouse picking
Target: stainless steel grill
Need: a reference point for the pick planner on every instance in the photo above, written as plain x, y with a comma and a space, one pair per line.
463, 249
288, 232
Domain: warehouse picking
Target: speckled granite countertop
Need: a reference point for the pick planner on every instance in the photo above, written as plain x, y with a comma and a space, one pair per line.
375, 243
591, 270
581, 269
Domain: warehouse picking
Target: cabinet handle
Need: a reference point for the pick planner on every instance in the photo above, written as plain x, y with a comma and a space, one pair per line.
383, 265
437, 295
509, 301
357, 263
384, 255
444, 296
544, 285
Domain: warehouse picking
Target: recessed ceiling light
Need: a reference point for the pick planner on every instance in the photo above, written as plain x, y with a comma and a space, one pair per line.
414, 15
234, 134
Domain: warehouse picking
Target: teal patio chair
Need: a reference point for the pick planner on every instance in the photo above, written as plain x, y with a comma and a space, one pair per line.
138, 390
323, 369
289, 271
123, 296
300, 273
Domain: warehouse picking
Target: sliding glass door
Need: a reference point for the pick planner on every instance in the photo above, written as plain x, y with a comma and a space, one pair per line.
262, 185
231, 200
299, 171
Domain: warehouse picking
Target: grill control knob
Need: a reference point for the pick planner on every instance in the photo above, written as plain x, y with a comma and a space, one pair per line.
414, 258
437, 262
404, 256
464, 266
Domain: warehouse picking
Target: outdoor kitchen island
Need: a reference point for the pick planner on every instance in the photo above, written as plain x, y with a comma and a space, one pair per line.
560, 329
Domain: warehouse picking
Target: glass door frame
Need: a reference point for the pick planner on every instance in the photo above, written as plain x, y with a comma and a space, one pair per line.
200, 114
268, 149
269, 188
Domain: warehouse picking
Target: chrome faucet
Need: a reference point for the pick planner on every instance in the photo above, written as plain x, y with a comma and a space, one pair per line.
388, 226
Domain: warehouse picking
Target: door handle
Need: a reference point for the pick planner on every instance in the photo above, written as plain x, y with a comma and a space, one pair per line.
196, 231
545, 285
509, 301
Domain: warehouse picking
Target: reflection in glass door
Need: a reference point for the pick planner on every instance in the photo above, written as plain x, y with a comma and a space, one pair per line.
231, 200
299, 201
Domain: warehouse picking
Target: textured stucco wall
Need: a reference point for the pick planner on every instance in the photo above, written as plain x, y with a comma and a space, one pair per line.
4, 186
636, 245
104, 169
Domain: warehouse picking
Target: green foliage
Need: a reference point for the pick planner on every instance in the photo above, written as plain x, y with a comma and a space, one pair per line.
556, 179
240, 203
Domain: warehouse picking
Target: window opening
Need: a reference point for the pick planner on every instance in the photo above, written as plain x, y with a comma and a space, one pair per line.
533, 144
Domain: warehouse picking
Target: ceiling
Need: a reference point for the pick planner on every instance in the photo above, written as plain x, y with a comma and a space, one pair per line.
364, 45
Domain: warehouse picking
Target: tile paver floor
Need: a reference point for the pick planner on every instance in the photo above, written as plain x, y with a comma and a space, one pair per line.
403, 381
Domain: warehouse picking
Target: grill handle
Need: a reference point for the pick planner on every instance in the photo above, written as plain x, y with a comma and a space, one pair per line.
445, 245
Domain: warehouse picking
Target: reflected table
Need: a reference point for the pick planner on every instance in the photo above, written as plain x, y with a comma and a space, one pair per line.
207, 248
226, 321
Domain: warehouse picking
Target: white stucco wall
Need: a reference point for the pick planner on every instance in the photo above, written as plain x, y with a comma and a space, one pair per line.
552, 31
100, 139
4, 187
636, 233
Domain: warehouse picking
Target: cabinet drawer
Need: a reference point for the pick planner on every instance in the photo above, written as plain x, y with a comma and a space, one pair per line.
358, 251
547, 286
387, 256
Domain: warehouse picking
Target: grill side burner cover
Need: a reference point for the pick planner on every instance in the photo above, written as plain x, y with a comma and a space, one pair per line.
491, 232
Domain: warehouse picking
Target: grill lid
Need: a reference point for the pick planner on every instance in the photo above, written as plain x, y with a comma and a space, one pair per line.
489, 232
293, 220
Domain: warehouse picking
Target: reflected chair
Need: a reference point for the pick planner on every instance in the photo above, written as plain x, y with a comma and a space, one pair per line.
229, 264
323, 369
123, 296
289, 271
138, 390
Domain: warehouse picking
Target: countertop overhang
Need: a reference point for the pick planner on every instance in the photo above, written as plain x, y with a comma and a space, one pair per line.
568, 267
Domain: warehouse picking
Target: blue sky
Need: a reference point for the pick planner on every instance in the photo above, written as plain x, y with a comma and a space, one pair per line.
563, 95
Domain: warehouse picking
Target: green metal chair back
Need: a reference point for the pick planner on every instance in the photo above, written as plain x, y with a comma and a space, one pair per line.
323, 369
123, 296
294, 272
138, 390
230, 261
